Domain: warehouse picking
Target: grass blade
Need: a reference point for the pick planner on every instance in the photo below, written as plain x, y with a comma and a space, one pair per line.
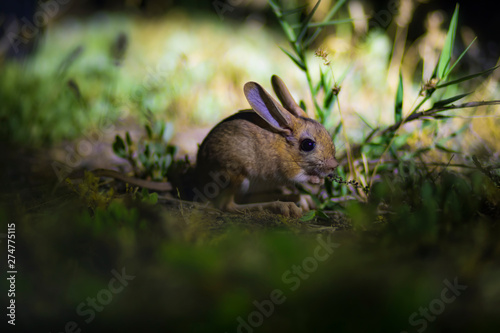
364, 121
446, 150
370, 135
461, 55
312, 38
466, 78
298, 62
334, 10
322, 79
317, 87
290, 34
293, 11
450, 100
446, 53
332, 22
337, 129
276, 8
70, 59
305, 24
419, 152
328, 17
398, 108
329, 99
287, 29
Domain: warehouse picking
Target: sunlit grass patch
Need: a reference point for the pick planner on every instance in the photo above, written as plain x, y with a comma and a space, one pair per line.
184, 70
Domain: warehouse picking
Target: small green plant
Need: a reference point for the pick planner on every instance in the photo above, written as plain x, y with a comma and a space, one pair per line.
152, 156
149, 198
88, 190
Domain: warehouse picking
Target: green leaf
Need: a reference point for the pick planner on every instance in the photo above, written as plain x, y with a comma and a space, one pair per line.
149, 131
159, 129
330, 94
168, 132
334, 10
308, 216
327, 21
295, 60
274, 5
320, 114
168, 160
302, 105
311, 38
446, 150
149, 198
398, 108
332, 22
287, 29
318, 85
447, 101
172, 150
321, 214
290, 34
322, 79
364, 120
147, 151
119, 147
329, 188
337, 129
461, 55
153, 198
144, 159
305, 23
466, 78
128, 139
329, 99
419, 152
293, 11
446, 53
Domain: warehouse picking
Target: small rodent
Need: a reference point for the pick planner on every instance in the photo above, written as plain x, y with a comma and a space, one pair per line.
256, 150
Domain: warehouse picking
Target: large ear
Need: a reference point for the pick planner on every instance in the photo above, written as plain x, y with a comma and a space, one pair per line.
286, 98
268, 108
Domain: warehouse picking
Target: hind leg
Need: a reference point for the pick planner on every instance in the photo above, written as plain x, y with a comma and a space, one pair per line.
286, 208
225, 200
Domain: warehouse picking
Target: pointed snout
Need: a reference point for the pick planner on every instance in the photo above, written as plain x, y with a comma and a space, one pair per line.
331, 164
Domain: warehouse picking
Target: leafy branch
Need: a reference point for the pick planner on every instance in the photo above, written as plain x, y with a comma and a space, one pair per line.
302, 33
432, 112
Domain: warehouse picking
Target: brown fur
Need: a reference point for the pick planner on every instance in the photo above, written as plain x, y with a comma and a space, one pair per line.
250, 149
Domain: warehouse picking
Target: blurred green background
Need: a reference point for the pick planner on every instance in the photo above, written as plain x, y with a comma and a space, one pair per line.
96, 69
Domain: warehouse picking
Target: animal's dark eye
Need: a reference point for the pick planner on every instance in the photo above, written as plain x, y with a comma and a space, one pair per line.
307, 145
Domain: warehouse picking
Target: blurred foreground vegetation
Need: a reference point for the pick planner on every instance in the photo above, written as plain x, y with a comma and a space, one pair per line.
363, 263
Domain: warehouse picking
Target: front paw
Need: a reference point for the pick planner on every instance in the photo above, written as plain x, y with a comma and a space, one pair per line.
316, 180
288, 209
306, 202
